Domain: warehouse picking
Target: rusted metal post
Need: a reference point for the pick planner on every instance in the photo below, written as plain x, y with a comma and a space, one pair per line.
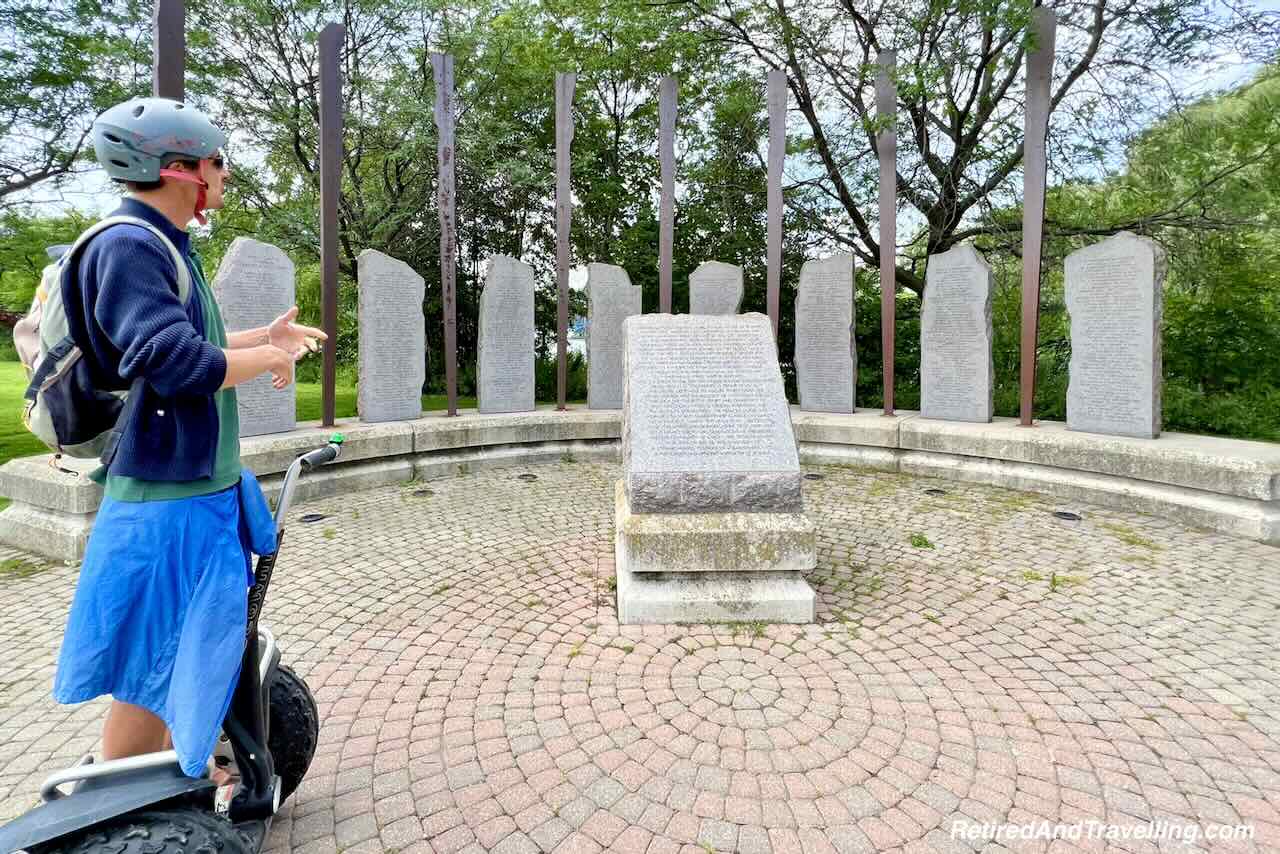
777, 99
1035, 169
169, 49
667, 214
565, 83
887, 150
442, 68
331, 39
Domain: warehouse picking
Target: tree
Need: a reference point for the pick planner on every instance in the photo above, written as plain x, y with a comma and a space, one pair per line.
960, 86
61, 63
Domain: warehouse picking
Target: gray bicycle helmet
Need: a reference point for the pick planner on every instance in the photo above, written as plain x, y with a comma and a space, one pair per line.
138, 138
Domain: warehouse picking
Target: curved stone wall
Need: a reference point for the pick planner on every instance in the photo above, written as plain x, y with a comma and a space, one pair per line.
1223, 485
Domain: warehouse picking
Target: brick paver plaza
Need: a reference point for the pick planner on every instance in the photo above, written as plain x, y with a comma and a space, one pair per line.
975, 660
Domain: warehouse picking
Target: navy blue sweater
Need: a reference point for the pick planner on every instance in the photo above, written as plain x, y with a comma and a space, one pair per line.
123, 309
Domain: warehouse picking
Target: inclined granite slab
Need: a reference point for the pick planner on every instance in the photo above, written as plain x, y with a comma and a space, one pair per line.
715, 288
706, 425
826, 361
504, 363
611, 299
254, 285
957, 372
393, 339
1114, 295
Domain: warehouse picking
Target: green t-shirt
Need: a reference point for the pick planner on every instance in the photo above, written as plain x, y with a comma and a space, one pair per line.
226, 466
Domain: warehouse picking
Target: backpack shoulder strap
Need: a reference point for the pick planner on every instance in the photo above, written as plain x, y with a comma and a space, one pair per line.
179, 263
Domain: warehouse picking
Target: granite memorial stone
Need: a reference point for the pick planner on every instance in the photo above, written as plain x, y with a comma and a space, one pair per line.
708, 521
957, 375
393, 345
715, 288
504, 370
1114, 295
254, 285
826, 361
611, 299
706, 425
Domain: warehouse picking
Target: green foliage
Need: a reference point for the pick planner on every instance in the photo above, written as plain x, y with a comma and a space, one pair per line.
546, 378
61, 63
23, 240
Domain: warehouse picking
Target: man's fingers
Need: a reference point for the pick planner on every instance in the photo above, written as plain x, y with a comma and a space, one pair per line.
291, 314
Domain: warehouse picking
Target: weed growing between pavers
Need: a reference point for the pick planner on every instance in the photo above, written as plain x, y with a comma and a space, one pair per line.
883, 489
17, 568
1128, 536
920, 541
1056, 581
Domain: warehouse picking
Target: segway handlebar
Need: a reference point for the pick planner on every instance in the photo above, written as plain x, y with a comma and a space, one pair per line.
307, 462
320, 456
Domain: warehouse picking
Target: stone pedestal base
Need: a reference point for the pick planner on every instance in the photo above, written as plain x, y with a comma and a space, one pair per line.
712, 567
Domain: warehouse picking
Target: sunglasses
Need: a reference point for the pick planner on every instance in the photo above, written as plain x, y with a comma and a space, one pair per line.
218, 161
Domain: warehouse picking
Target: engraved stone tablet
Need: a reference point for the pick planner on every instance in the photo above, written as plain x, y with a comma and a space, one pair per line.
504, 364
715, 288
392, 339
957, 375
1115, 296
611, 299
706, 426
826, 362
254, 285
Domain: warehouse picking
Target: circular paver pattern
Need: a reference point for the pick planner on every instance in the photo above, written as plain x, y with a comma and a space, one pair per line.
975, 660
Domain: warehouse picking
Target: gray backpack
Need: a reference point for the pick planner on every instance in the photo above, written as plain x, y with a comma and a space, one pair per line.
64, 407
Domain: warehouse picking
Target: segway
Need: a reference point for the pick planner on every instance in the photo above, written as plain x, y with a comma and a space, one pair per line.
146, 804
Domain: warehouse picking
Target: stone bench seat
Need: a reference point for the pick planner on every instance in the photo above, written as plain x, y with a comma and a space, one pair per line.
1225, 485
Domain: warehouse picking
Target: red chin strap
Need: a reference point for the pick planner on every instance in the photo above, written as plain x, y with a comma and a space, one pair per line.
201, 193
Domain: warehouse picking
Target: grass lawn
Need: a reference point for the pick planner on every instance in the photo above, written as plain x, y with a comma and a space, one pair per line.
345, 405
15, 439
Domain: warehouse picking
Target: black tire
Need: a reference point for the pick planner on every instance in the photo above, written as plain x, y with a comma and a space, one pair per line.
173, 831
293, 730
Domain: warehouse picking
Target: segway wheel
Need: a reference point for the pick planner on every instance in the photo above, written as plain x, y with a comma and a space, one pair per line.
294, 729
175, 831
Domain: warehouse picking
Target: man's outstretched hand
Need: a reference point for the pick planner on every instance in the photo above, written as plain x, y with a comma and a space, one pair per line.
293, 338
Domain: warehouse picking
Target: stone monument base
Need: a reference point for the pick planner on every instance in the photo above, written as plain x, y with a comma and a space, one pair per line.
712, 567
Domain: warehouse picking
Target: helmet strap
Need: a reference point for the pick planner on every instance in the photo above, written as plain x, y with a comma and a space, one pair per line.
201, 191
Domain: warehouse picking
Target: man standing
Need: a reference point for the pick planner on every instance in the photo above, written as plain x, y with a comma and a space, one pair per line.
159, 614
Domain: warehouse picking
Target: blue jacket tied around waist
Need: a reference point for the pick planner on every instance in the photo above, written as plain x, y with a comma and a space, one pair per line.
159, 614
